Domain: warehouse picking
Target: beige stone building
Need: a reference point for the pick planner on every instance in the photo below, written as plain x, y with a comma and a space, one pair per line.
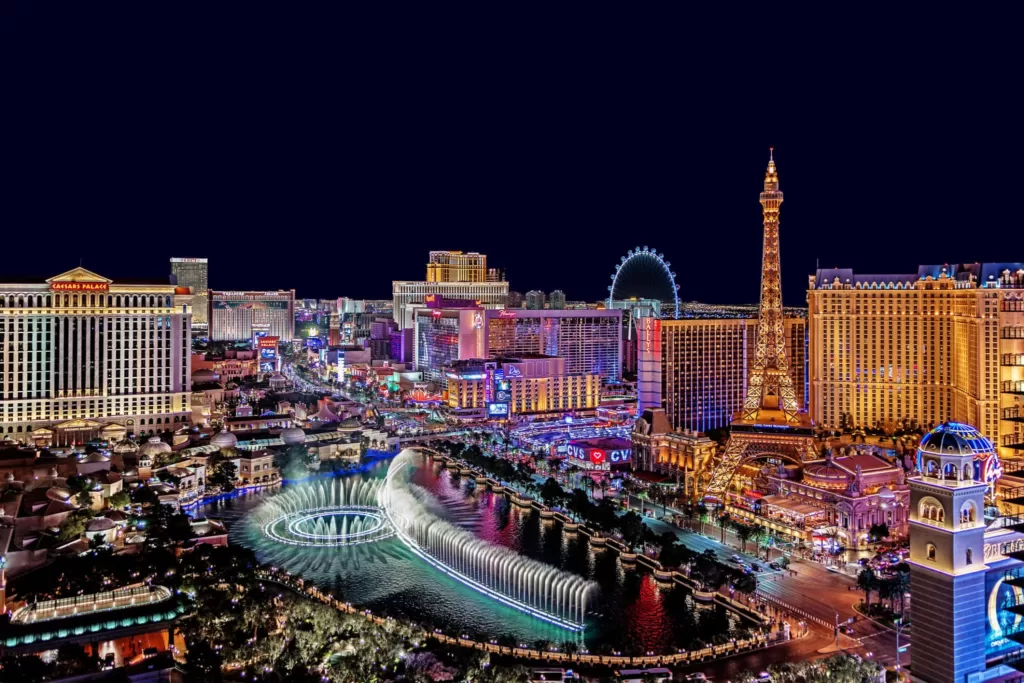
944, 343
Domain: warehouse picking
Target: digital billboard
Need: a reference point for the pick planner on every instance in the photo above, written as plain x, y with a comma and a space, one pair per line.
600, 453
497, 409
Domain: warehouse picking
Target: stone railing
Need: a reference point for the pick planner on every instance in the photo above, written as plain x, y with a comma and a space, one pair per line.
683, 657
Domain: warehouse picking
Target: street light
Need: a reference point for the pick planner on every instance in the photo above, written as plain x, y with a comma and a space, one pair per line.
898, 623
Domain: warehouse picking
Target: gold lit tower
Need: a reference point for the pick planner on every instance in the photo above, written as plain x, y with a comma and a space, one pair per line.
769, 425
769, 385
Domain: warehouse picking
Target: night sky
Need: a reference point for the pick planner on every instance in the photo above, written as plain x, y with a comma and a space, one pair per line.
330, 153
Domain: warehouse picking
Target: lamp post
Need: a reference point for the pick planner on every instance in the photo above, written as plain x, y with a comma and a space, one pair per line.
898, 623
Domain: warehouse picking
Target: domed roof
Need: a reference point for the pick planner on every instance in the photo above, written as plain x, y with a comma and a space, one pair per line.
224, 439
827, 474
293, 436
100, 524
955, 438
154, 447
126, 446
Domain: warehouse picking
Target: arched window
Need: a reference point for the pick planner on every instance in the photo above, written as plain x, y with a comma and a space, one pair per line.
949, 471
930, 552
968, 513
931, 510
968, 472
968, 558
930, 468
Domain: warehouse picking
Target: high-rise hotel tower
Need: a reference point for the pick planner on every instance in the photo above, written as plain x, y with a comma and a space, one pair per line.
944, 343
80, 352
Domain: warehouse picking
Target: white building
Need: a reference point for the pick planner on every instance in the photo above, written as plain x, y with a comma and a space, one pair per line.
79, 351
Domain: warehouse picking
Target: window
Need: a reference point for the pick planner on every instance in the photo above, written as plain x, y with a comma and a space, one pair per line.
930, 552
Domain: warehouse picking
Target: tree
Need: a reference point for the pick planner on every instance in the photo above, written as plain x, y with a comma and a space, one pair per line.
84, 498
551, 493
901, 585
783, 561
579, 504
747, 583
224, 475
743, 532
867, 582
73, 525
119, 500
702, 515
631, 526
24, 669
724, 520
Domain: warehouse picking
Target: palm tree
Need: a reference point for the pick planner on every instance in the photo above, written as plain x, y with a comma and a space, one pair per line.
724, 520
702, 515
743, 532
900, 585
689, 513
867, 582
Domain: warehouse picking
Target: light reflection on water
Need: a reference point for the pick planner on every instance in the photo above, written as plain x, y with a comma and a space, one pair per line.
632, 612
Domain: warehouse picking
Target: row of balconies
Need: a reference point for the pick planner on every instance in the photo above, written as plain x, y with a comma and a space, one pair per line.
1013, 441
1016, 332
1013, 386
1012, 359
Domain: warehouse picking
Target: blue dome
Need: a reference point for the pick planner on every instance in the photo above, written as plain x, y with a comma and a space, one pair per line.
956, 438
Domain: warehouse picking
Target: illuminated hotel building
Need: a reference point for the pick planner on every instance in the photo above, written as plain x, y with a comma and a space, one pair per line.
407, 294
450, 275
457, 266
696, 369
944, 343
538, 384
237, 316
193, 273
589, 341
79, 352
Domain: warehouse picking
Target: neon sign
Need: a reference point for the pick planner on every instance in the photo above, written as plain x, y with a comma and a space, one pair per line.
505, 313
598, 456
513, 371
79, 286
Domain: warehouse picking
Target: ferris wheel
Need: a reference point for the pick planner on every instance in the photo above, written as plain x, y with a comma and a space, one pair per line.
645, 274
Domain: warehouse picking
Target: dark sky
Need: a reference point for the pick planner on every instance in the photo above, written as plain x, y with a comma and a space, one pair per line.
330, 153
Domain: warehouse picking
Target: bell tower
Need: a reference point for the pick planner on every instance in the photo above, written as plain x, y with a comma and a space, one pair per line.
947, 560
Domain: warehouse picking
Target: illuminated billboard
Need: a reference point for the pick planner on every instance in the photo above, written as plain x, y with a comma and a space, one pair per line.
600, 454
497, 409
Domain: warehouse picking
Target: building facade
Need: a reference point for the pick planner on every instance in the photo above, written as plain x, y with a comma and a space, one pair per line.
945, 343
696, 369
194, 274
557, 300
589, 341
658, 448
406, 295
457, 266
80, 351
535, 300
537, 385
239, 316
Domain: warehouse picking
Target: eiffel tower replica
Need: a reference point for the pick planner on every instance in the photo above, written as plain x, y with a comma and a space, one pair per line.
769, 426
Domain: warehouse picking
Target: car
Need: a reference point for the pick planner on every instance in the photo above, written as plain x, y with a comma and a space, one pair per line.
695, 676
764, 676
756, 567
737, 559
775, 565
